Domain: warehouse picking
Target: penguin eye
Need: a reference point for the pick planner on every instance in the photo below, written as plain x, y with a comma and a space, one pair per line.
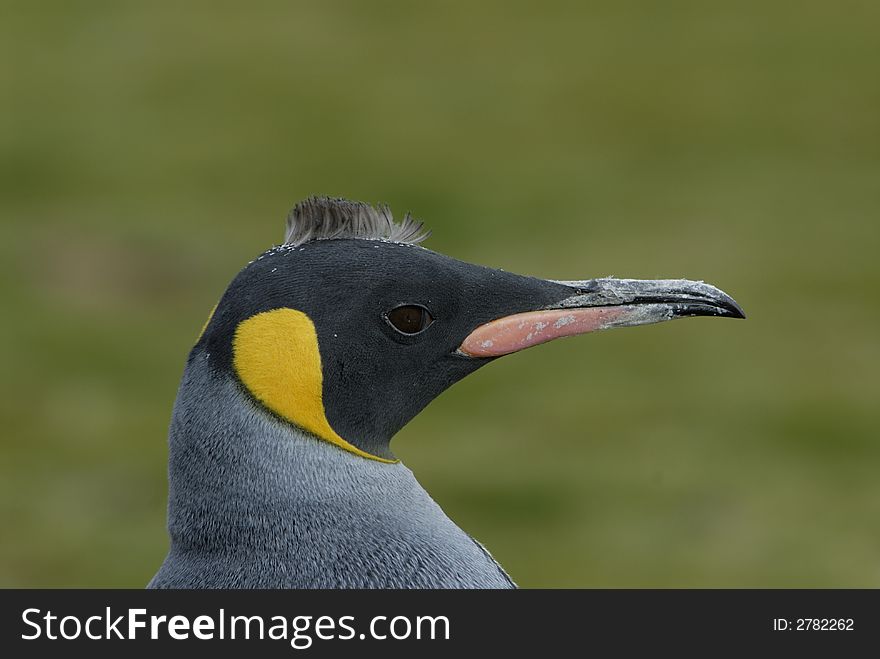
409, 318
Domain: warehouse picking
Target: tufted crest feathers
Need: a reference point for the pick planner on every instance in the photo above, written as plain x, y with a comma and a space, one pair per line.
328, 218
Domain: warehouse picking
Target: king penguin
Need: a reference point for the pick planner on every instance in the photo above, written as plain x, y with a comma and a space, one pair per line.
281, 473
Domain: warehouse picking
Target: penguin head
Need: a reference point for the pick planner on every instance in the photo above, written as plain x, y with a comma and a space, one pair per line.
349, 328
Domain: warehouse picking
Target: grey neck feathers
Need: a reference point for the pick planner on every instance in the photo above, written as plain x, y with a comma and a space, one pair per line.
254, 502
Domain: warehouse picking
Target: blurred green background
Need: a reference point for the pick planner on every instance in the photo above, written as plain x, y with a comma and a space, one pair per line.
148, 150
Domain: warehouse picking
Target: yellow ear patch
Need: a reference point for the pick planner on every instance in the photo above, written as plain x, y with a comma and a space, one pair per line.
276, 356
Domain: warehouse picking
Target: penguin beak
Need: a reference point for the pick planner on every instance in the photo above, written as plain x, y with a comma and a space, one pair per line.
598, 304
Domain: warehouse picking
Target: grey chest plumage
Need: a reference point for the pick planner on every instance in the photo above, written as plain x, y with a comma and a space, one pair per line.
254, 503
